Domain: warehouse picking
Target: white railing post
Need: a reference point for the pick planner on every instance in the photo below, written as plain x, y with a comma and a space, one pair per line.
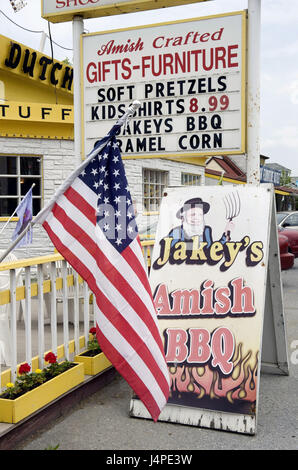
27, 316
76, 312
41, 335
65, 310
13, 324
86, 312
53, 307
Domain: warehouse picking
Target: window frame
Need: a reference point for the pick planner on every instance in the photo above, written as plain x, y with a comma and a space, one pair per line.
157, 179
18, 176
191, 176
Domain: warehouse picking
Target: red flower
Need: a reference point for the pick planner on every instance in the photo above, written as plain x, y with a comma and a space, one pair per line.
92, 331
24, 368
51, 358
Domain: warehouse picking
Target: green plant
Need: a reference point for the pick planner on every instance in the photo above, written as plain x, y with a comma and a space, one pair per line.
93, 343
55, 368
52, 447
11, 391
285, 179
29, 380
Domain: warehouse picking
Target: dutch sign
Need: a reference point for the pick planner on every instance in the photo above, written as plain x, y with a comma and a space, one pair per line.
64, 10
18, 59
208, 278
189, 77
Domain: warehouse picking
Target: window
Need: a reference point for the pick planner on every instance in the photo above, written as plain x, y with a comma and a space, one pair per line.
17, 175
291, 221
154, 182
187, 179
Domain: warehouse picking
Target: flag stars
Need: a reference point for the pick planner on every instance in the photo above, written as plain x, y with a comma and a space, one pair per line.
105, 176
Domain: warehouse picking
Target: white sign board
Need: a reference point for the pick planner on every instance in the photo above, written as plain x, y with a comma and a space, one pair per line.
189, 77
208, 278
57, 11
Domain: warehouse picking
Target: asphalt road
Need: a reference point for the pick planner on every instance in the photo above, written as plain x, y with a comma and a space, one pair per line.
102, 421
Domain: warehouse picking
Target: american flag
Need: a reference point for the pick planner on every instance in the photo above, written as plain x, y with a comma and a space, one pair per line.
92, 224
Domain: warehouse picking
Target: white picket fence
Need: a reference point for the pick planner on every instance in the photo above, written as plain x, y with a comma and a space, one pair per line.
43, 299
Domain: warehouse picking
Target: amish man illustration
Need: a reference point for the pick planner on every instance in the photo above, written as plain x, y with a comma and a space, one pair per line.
193, 223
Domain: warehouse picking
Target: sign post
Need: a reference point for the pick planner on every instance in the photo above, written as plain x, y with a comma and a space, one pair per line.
77, 30
253, 92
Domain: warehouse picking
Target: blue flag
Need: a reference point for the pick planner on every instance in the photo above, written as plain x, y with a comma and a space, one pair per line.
24, 212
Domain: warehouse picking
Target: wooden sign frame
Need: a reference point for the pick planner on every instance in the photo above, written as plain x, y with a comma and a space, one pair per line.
207, 394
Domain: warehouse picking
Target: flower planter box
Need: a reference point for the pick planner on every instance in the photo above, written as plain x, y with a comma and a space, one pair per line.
13, 411
93, 365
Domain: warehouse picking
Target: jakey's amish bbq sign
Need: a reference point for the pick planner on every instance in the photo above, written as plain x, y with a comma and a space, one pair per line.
189, 77
208, 278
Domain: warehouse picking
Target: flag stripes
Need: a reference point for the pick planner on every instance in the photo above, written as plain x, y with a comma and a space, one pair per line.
132, 343
132, 377
109, 330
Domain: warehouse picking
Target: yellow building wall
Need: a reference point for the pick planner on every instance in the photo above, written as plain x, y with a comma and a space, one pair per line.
36, 93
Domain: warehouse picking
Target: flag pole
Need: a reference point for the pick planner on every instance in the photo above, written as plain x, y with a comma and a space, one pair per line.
123, 120
16, 241
2, 230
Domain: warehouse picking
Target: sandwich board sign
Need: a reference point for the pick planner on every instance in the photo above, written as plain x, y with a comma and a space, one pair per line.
213, 294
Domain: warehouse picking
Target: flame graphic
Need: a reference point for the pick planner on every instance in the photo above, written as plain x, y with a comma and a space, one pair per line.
204, 381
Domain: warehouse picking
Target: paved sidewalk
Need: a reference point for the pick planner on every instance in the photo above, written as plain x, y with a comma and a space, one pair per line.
102, 421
